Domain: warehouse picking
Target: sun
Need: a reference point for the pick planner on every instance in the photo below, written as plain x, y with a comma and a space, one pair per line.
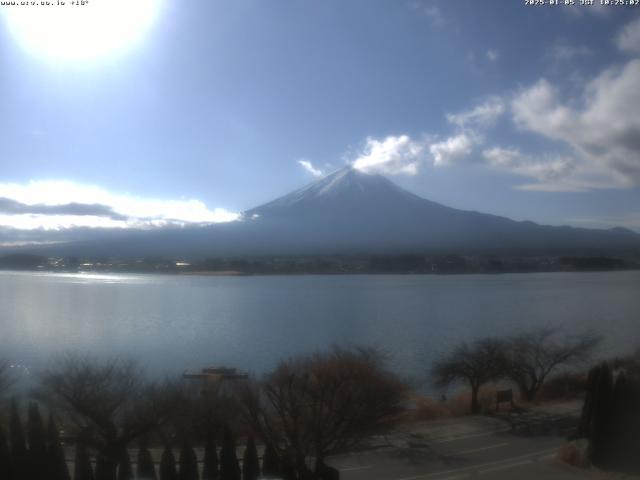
76, 30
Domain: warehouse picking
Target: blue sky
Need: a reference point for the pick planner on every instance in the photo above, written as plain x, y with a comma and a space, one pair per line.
212, 107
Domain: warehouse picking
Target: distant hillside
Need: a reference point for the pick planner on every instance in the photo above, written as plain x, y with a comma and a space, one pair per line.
349, 212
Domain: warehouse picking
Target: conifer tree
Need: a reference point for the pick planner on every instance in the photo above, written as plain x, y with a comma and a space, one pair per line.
168, 465
288, 471
146, 469
634, 424
210, 469
611, 418
250, 462
37, 444
587, 407
55, 454
188, 463
229, 468
5, 456
125, 470
599, 427
19, 453
104, 467
270, 462
82, 467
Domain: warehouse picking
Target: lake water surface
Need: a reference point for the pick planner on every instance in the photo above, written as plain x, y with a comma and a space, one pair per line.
174, 323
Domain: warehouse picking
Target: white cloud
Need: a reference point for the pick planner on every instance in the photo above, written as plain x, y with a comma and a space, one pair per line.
308, 166
629, 38
603, 131
431, 11
483, 115
597, 131
550, 172
60, 222
493, 55
392, 155
133, 212
451, 149
401, 155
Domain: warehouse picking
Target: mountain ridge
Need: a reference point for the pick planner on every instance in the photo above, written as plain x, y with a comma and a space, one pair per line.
350, 212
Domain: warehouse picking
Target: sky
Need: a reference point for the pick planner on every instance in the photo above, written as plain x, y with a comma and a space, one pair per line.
151, 113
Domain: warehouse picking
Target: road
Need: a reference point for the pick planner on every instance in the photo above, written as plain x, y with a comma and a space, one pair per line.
468, 447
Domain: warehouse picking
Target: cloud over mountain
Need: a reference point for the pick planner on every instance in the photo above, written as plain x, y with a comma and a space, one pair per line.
12, 207
58, 206
308, 166
391, 155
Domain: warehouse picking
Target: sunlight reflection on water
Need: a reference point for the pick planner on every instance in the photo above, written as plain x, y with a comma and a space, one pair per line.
172, 323
86, 277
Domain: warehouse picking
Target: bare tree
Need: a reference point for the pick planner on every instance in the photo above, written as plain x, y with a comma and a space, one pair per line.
109, 402
478, 363
316, 405
535, 354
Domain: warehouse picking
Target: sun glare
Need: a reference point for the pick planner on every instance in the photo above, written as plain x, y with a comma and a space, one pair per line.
77, 30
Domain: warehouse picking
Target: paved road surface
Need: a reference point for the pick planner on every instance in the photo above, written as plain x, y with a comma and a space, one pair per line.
469, 447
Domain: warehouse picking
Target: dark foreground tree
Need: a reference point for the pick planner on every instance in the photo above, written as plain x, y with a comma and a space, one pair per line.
56, 461
600, 423
584, 424
37, 443
288, 470
270, 462
110, 402
168, 465
326, 472
82, 467
19, 453
229, 468
316, 405
533, 355
188, 463
146, 469
611, 418
250, 462
106, 469
125, 470
5, 456
210, 467
476, 364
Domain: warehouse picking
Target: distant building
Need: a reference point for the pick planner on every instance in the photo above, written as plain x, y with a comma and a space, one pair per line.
215, 380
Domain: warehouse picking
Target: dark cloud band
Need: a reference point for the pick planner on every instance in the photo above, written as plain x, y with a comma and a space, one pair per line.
13, 207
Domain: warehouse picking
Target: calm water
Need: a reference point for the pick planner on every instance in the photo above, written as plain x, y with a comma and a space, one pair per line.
173, 323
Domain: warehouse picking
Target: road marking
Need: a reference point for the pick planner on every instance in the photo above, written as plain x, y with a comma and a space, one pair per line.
351, 469
505, 467
473, 450
547, 457
482, 465
464, 437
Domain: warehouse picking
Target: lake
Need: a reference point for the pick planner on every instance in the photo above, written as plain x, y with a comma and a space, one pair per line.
174, 323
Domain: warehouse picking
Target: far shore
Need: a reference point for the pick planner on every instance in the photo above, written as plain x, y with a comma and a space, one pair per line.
221, 273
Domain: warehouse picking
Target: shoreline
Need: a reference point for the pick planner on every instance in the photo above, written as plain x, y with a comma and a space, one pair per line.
238, 273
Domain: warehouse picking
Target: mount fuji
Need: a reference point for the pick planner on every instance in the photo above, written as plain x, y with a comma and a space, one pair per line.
350, 212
